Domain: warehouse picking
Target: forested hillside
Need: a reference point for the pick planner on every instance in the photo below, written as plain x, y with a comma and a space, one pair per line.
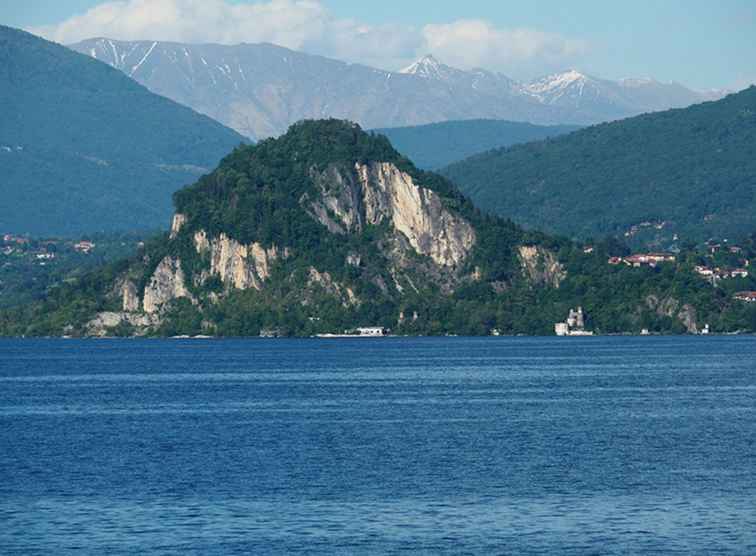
328, 228
83, 148
691, 171
437, 145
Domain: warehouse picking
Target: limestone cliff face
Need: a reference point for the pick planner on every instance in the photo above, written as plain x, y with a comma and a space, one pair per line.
238, 266
339, 203
379, 192
178, 222
129, 297
167, 283
540, 266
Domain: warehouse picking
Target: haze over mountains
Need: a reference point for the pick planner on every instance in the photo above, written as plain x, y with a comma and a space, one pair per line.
85, 149
261, 89
433, 146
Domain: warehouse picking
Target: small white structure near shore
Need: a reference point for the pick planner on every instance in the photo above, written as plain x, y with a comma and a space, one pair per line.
364, 332
372, 331
574, 326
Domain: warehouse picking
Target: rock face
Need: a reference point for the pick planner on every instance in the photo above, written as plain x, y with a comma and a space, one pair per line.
130, 297
324, 281
105, 323
379, 192
238, 266
671, 307
178, 222
167, 283
540, 266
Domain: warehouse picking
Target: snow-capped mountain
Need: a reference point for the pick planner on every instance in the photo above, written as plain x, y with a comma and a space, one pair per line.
430, 68
478, 79
261, 89
570, 84
573, 89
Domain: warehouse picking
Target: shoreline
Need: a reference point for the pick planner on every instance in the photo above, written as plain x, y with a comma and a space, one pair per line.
387, 337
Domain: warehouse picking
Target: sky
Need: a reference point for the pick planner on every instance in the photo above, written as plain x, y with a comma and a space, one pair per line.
703, 44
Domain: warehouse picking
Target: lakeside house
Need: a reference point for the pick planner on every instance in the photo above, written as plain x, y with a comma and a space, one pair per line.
574, 325
372, 331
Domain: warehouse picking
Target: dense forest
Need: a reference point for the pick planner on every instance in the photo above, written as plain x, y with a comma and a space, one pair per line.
84, 148
258, 194
434, 146
691, 171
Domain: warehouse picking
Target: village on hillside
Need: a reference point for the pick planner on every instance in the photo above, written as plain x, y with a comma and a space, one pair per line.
720, 263
29, 266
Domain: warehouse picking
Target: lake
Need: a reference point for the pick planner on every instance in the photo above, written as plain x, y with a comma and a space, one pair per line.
606, 445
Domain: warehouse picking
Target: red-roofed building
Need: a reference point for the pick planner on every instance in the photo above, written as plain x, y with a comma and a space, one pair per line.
748, 297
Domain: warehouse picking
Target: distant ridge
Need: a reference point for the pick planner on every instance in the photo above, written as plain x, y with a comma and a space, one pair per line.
434, 146
261, 89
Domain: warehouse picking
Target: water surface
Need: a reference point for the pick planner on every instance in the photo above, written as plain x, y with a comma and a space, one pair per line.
453, 445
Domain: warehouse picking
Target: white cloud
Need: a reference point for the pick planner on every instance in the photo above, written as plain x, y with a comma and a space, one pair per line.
286, 22
307, 25
477, 43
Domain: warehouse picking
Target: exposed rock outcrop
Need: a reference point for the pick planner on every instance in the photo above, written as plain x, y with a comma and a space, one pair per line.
379, 192
238, 266
541, 266
130, 301
178, 222
324, 282
671, 307
416, 212
166, 284
339, 205
106, 323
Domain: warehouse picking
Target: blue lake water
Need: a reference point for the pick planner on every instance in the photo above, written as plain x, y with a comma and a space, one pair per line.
365, 446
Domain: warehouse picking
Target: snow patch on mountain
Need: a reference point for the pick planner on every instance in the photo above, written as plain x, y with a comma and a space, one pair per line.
429, 68
553, 87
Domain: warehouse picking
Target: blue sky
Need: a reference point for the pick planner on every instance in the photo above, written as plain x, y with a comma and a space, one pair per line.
701, 43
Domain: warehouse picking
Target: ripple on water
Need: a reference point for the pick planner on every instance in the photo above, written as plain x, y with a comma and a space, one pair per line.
500, 445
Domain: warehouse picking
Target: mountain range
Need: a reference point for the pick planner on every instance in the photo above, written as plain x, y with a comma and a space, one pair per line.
687, 173
261, 89
83, 148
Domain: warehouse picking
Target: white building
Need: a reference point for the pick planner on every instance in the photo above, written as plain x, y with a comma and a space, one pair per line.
574, 326
372, 331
